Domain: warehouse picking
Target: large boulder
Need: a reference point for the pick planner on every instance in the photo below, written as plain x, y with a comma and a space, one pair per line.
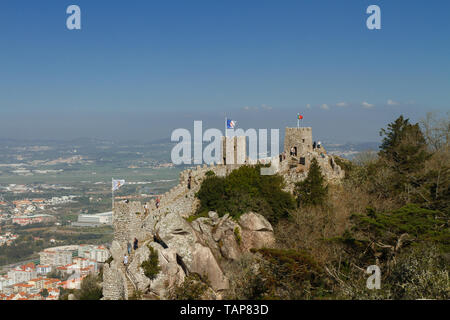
219, 235
256, 231
254, 222
175, 232
226, 233
204, 228
205, 265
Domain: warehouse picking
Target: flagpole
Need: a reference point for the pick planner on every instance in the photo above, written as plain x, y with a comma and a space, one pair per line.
225, 127
112, 193
298, 120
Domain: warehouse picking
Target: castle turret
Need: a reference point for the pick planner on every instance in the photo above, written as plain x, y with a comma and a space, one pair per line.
299, 140
234, 150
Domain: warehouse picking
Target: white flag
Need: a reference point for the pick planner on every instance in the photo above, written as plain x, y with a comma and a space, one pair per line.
116, 184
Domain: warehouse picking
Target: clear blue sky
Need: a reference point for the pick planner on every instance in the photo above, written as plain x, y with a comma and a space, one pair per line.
139, 68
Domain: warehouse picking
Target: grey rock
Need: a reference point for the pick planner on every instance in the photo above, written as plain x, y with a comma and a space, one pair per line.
205, 265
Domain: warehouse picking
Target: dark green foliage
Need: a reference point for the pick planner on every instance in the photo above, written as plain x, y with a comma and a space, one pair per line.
290, 274
405, 150
420, 272
22, 248
56, 274
109, 260
243, 190
64, 293
90, 289
210, 173
237, 235
150, 266
191, 289
44, 293
345, 165
403, 144
137, 295
312, 191
419, 223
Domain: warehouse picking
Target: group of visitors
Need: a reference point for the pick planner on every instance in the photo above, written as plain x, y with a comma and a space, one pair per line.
129, 248
317, 145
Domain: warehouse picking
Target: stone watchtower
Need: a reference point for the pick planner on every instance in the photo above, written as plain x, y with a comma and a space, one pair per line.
300, 139
234, 150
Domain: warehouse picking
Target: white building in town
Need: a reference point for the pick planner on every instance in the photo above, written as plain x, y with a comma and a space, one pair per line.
92, 252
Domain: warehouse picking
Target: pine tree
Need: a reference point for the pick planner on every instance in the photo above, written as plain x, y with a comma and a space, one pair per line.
404, 146
312, 191
404, 151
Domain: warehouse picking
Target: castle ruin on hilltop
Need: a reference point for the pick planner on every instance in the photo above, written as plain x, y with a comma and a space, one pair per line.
200, 246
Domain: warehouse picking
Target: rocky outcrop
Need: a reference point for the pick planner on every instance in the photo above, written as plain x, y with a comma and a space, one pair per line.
184, 248
257, 232
205, 264
203, 246
171, 274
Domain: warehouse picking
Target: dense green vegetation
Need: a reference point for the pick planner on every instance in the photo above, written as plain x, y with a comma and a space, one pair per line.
391, 210
193, 288
312, 191
90, 289
34, 238
244, 190
22, 248
150, 266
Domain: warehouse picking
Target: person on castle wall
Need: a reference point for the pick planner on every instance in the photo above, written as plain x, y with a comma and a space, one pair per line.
314, 145
135, 244
319, 144
189, 182
146, 208
129, 247
125, 260
157, 202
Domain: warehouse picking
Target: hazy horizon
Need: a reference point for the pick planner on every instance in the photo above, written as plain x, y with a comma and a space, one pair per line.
137, 70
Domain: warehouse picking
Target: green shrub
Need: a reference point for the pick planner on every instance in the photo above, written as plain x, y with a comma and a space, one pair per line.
137, 295
419, 223
209, 173
109, 260
237, 235
244, 190
312, 191
90, 289
150, 266
191, 289
290, 274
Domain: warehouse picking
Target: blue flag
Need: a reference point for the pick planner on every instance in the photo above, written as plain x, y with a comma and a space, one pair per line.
231, 124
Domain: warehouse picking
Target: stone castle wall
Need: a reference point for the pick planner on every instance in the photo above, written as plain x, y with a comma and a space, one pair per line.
131, 220
234, 150
301, 138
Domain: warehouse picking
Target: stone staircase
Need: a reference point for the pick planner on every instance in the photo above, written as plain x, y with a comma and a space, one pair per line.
131, 287
131, 283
